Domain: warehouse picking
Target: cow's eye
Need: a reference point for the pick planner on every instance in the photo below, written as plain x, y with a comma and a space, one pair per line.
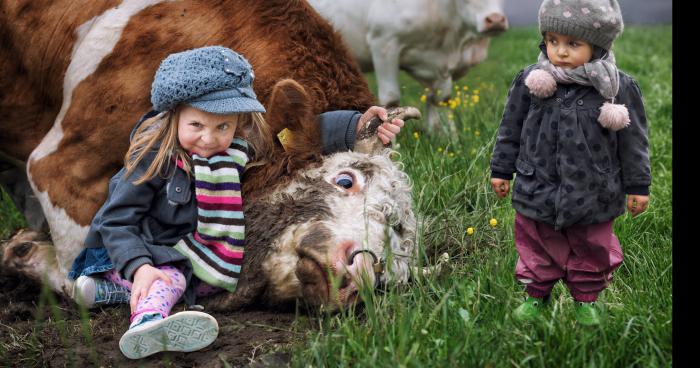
344, 180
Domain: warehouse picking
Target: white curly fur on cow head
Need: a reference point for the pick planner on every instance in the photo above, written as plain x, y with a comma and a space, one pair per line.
368, 207
383, 192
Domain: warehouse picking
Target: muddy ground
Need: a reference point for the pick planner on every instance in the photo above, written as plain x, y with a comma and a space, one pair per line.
39, 329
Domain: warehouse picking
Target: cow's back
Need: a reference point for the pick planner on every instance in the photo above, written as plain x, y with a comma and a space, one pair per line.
94, 112
36, 40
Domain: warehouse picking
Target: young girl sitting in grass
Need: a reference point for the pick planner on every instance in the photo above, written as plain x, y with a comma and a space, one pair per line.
173, 223
575, 131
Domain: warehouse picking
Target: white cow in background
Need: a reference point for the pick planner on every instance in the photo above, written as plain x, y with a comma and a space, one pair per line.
435, 41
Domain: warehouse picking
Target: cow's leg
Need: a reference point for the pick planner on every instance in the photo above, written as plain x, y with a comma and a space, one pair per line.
385, 57
32, 254
441, 91
13, 179
26, 114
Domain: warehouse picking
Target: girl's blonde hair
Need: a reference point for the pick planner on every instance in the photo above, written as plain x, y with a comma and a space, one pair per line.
163, 128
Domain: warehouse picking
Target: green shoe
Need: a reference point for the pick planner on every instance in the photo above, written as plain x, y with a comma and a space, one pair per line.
587, 314
530, 309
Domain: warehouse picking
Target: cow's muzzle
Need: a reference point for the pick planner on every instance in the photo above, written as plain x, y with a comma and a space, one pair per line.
335, 281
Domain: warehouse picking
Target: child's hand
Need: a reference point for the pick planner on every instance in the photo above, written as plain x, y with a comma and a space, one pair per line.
500, 186
143, 279
387, 131
637, 204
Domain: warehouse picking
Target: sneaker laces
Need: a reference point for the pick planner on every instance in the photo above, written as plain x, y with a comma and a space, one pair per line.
108, 292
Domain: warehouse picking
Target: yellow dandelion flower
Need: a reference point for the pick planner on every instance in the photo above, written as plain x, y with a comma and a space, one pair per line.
477, 133
423, 98
451, 154
470, 231
416, 135
439, 149
453, 104
476, 91
475, 98
466, 88
426, 90
493, 222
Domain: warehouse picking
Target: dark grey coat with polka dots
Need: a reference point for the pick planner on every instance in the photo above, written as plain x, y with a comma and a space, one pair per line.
571, 170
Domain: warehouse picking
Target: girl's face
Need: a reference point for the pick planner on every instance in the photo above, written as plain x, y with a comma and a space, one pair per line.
567, 52
205, 133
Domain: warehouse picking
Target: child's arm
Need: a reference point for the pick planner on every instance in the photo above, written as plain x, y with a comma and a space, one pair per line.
387, 131
633, 147
507, 146
339, 128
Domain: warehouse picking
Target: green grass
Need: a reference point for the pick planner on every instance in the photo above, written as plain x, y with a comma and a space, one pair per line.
10, 218
461, 318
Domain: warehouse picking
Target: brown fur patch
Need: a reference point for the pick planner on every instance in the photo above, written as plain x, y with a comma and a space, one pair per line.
265, 221
316, 238
281, 39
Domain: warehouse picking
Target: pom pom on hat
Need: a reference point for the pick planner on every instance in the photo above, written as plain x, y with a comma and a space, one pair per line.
614, 117
541, 83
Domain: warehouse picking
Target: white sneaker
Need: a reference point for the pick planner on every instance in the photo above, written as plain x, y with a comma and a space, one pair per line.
184, 331
92, 291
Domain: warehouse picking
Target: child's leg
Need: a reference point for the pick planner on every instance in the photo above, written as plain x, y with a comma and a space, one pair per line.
542, 254
150, 331
596, 253
113, 276
161, 297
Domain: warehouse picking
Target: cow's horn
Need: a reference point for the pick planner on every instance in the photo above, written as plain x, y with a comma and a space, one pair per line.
367, 140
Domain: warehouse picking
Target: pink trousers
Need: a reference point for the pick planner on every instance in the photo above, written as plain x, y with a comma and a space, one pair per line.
584, 256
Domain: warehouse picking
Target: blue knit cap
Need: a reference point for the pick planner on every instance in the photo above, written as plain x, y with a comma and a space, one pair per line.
214, 79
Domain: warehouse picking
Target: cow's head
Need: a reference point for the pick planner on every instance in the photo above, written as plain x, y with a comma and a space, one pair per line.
333, 225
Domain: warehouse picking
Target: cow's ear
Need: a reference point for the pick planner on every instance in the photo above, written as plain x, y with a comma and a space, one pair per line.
289, 107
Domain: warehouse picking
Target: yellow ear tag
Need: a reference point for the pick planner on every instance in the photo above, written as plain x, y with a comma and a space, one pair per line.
285, 136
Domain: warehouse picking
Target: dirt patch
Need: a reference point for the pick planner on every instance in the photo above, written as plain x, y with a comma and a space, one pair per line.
39, 329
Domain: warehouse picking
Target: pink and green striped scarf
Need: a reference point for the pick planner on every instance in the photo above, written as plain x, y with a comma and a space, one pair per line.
215, 248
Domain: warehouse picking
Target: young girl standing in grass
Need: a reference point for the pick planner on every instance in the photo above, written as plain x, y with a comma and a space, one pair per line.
173, 225
575, 131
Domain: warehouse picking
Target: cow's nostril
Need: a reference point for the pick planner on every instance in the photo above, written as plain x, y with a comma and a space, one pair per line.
345, 281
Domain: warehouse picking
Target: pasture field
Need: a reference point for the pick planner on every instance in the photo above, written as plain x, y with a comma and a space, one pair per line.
458, 318
462, 317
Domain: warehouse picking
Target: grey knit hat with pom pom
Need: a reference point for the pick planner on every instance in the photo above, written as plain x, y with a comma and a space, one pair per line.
598, 22
214, 79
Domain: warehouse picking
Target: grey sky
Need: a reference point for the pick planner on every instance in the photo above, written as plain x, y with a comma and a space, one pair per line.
524, 12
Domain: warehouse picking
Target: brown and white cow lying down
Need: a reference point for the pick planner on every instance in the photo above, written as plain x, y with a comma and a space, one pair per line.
76, 77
